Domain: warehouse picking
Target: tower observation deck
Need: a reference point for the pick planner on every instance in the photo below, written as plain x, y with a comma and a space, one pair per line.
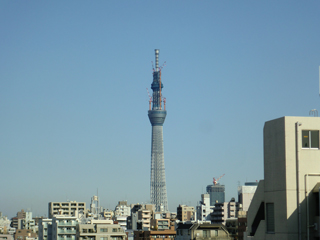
157, 115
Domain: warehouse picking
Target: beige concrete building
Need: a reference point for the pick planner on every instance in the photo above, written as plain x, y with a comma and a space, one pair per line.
286, 202
25, 234
201, 231
45, 229
225, 210
144, 218
64, 227
65, 208
185, 213
100, 230
155, 235
160, 224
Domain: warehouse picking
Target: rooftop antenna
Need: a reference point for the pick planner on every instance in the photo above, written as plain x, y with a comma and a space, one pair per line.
157, 59
313, 112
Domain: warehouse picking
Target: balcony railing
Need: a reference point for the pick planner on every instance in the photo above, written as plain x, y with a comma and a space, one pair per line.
67, 223
60, 231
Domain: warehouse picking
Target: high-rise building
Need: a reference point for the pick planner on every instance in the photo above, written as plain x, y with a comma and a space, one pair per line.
245, 194
217, 193
157, 115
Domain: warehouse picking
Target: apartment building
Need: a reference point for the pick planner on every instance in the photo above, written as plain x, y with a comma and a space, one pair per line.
45, 229
100, 230
64, 227
144, 219
201, 231
122, 209
65, 208
185, 213
204, 209
155, 235
25, 234
223, 211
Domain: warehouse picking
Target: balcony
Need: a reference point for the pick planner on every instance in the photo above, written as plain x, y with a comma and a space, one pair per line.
67, 223
61, 231
66, 238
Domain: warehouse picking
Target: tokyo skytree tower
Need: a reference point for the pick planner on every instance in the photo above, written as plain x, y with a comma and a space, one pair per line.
157, 115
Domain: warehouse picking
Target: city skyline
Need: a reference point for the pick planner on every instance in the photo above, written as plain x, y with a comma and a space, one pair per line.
73, 95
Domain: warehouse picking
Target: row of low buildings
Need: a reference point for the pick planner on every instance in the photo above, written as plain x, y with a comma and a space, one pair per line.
285, 204
67, 219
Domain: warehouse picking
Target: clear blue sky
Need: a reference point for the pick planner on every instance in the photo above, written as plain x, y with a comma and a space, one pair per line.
74, 104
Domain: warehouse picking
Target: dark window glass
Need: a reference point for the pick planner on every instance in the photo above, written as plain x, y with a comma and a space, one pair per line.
305, 139
315, 139
270, 217
310, 139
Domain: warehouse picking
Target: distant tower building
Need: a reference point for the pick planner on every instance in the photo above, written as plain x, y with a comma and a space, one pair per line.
157, 115
216, 192
245, 194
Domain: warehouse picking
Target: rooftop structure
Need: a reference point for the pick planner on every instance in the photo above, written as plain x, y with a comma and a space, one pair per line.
201, 231
157, 115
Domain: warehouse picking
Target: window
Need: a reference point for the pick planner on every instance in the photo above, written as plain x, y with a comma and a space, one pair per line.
114, 230
310, 139
84, 230
206, 233
103, 238
116, 238
270, 217
103, 229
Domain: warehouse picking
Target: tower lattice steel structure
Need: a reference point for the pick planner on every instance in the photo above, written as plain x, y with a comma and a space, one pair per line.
157, 115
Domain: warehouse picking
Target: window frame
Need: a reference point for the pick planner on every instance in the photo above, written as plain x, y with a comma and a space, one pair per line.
310, 137
270, 218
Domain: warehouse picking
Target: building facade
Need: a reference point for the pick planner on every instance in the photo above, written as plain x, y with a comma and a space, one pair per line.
245, 194
155, 235
65, 208
224, 211
204, 209
64, 227
216, 193
201, 231
185, 213
286, 202
100, 230
45, 229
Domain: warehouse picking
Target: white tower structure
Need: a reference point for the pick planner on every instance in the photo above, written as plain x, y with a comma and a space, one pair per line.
157, 115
